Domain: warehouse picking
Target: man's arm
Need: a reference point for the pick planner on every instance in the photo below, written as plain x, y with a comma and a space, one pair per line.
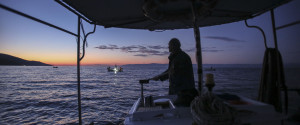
162, 77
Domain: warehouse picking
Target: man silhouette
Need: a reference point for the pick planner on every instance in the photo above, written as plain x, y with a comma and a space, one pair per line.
180, 75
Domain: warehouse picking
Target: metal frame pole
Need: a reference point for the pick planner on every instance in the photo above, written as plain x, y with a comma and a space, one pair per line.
198, 56
198, 48
74, 11
279, 74
287, 25
142, 95
78, 72
66, 31
36, 19
274, 29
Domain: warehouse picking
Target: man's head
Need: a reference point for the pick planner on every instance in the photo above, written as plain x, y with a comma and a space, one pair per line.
174, 45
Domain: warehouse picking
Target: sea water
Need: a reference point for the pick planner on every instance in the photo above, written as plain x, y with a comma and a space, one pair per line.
47, 95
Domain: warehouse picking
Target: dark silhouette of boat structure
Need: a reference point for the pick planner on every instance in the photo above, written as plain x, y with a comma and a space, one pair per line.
160, 15
210, 69
110, 70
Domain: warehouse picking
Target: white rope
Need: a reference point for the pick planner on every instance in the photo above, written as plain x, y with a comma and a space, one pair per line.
208, 109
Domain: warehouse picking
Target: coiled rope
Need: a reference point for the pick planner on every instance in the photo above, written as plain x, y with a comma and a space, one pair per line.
208, 109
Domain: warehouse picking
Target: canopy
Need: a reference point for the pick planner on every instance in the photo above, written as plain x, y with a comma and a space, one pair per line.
168, 14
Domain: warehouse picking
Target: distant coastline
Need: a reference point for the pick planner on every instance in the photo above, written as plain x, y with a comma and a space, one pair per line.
8, 60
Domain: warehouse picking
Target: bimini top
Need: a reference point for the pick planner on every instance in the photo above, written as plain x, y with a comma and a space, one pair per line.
168, 14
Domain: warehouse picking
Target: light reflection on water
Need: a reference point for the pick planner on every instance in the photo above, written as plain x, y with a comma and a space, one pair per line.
46, 95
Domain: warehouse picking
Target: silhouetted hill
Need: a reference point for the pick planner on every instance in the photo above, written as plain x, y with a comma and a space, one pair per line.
15, 61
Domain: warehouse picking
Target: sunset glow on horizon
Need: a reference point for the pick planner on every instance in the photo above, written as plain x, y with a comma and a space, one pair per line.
231, 43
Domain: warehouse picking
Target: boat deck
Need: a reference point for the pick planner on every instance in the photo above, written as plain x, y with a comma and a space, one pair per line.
252, 112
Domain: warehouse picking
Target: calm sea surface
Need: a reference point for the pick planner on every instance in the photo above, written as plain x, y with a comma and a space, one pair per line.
47, 95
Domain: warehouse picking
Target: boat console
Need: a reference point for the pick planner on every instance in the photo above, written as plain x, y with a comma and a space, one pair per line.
161, 111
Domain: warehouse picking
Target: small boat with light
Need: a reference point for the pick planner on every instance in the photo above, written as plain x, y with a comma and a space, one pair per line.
115, 69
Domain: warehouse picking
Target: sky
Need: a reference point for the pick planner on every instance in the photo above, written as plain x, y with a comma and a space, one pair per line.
231, 43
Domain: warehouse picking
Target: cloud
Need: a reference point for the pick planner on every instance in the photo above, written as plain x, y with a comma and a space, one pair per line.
142, 55
161, 53
190, 50
128, 48
142, 51
204, 49
157, 47
211, 49
111, 47
226, 39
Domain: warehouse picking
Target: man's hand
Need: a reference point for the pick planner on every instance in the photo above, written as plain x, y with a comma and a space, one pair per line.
156, 78
144, 81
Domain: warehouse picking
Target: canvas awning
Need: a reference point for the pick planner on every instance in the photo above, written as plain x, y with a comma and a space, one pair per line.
130, 13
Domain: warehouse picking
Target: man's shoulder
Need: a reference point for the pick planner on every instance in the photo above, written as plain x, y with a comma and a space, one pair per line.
183, 54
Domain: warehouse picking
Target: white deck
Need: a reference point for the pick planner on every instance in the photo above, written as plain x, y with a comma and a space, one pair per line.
158, 115
254, 113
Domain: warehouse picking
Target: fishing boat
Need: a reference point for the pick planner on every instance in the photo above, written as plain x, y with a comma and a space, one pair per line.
160, 15
111, 69
116, 69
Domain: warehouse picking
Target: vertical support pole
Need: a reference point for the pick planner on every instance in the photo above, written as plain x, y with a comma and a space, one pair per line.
277, 61
280, 68
78, 72
142, 95
198, 47
198, 56
274, 29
